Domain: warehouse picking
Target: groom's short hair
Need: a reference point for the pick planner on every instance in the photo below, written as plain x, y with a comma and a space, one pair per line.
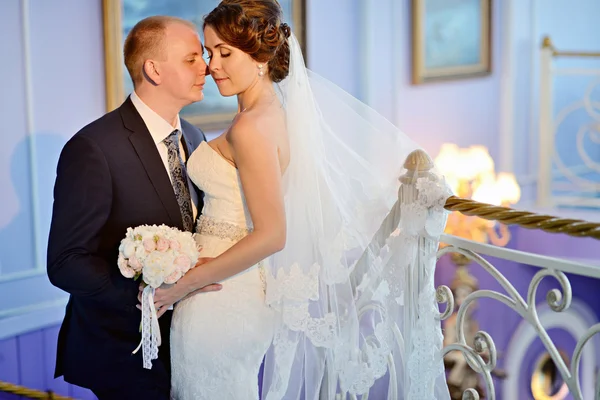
146, 40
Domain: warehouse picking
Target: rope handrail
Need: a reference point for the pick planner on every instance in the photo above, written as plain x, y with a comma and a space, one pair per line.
525, 219
419, 164
30, 393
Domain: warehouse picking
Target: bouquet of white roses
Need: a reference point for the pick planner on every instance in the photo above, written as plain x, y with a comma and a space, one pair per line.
161, 255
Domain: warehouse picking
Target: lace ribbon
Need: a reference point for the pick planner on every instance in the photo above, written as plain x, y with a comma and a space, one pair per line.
150, 329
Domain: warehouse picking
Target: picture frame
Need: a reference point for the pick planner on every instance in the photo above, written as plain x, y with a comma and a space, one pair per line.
451, 39
214, 112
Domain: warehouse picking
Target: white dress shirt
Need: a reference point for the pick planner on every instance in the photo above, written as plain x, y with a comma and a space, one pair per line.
160, 129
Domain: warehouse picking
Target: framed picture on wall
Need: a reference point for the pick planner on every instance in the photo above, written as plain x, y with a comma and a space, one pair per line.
214, 112
451, 39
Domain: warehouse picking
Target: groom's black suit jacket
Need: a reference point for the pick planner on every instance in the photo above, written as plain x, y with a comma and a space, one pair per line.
110, 177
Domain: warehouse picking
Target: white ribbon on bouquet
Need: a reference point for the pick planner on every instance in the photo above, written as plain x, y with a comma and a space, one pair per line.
150, 329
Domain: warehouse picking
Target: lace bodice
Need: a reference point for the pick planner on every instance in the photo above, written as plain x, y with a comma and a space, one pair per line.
220, 181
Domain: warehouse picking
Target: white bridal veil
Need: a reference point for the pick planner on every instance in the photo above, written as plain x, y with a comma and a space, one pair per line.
343, 326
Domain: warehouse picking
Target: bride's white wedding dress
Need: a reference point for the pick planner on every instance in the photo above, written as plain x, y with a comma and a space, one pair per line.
218, 339
337, 310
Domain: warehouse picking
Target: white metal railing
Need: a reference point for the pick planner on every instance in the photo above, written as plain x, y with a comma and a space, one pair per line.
559, 300
480, 352
579, 182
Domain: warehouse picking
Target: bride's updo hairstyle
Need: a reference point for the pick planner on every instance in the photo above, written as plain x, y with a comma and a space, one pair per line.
255, 27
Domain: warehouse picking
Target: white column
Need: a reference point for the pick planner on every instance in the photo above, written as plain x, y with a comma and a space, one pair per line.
546, 131
507, 92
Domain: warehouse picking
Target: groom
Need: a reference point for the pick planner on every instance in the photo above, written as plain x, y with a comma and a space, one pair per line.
123, 170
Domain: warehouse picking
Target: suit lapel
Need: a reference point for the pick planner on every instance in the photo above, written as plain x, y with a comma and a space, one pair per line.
148, 154
188, 145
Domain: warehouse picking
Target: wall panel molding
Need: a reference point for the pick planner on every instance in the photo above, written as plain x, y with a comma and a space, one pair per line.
31, 318
30, 126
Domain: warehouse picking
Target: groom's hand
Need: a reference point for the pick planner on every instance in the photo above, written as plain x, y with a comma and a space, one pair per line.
215, 287
142, 286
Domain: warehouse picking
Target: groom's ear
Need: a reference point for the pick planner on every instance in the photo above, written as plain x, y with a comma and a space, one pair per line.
151, 71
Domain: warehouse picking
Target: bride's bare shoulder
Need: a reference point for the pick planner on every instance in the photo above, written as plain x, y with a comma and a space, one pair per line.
260, 125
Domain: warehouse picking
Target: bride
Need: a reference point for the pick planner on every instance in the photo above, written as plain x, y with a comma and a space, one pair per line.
295, 189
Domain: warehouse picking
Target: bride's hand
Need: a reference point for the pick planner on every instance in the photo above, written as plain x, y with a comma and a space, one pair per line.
166, 297
203, 260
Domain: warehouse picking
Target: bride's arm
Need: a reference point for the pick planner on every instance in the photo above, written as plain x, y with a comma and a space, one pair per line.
256, 157
257, 160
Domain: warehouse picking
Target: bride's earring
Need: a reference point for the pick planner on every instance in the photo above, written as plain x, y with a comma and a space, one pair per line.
260, 70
